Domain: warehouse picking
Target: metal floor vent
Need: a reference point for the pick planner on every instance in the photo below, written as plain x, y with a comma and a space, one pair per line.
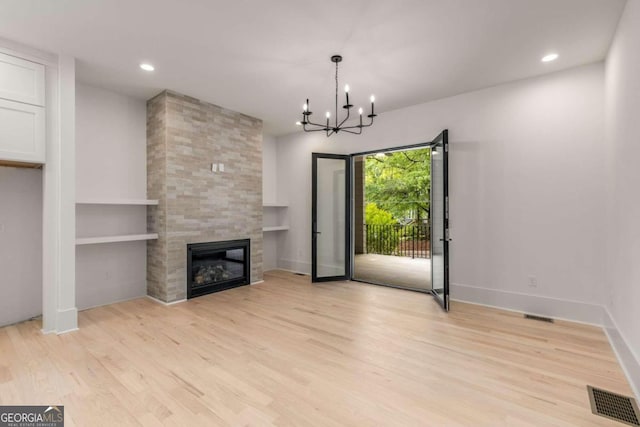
614, 406
539, 318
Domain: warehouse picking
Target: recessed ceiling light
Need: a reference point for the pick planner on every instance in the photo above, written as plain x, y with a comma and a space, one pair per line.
550, 57
147, 67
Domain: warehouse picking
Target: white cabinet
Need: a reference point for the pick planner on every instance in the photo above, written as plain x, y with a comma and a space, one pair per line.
22, 128
22, 111
21, 81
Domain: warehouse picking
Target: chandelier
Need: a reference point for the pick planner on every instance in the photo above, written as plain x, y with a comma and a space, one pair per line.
337, 125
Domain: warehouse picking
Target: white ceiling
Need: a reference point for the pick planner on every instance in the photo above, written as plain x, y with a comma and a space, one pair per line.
263, 58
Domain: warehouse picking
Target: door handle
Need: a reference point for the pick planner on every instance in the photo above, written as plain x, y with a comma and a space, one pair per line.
317, 232
446, 240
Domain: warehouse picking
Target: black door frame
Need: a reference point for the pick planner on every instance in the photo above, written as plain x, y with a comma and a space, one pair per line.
387, 150
314, 217
442, 138
443, 300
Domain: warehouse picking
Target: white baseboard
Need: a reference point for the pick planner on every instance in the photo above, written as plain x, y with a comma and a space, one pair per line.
574, 311
165, 303
111, 302
626, 356
291, 271
294, 266
67, 321
256, 282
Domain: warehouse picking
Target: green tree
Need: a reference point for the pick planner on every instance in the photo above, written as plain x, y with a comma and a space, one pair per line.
399, 183
375, 215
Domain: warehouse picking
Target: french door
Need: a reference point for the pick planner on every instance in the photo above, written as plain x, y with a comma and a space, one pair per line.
439, 219
330, 217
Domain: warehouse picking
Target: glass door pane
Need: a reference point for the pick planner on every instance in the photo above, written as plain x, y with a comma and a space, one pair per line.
439, 220
330, 217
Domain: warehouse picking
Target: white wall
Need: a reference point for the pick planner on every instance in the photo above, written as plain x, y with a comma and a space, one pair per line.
111, 164
269, 195
20, 244
269, 170
526, 183
111, 145
623, 222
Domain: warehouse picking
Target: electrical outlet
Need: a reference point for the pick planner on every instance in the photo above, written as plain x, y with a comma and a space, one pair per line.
221, 167
214, 167
533, 282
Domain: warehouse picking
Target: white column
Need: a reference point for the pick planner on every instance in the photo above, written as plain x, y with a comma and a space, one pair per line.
59, 312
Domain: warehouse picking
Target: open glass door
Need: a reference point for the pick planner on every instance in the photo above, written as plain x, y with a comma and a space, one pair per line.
439, 219
330, 218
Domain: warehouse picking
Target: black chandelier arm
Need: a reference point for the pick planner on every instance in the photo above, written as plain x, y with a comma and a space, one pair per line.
318, 129
345, 119
350, 131
309, 122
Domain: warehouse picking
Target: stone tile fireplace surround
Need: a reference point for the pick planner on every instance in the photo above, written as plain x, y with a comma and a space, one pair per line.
184, 137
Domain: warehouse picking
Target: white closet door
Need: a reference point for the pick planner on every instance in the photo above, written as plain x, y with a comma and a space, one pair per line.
22, 129
21, 80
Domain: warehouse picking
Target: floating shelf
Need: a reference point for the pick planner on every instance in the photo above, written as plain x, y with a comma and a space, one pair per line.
275, 205
147, 202
114, 239
276, 228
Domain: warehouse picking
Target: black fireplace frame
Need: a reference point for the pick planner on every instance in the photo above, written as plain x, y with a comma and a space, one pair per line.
244, 244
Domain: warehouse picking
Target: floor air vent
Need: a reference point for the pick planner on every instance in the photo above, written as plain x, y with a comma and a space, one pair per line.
539, 318
614, 406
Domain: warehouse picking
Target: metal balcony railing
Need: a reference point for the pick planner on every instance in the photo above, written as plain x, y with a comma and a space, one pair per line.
399, 240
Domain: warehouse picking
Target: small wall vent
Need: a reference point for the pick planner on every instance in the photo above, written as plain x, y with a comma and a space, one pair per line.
538, 318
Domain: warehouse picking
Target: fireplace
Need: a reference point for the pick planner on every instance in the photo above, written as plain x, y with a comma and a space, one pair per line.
216, 266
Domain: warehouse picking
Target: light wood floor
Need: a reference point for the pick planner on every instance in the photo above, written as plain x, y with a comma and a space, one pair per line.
289, 353
400, 271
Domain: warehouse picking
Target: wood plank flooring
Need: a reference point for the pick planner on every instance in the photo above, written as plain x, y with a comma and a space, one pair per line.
289, 353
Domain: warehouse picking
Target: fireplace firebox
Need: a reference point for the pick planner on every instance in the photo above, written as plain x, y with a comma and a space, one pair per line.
216, 266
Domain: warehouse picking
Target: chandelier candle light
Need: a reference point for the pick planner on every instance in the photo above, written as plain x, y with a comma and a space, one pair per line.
309, 126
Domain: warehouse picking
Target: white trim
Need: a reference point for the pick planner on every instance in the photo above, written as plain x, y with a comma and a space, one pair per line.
256, 283
110, 303
275, 228
142, 202
290, 271
166, 304
627, 358
67, 321
575, 311
115, 239
294, 266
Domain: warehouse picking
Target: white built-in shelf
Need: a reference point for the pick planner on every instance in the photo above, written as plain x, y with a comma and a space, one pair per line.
275, 228
147, 202
114, 239
275, 205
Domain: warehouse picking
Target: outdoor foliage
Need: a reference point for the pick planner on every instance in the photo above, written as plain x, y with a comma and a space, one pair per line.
398, 183
397, 194
380, 239
375, 215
